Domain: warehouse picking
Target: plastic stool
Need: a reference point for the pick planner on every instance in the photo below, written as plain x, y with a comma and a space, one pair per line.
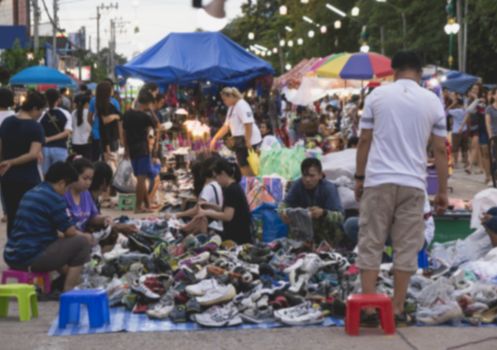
96, 302
356, 302
26, 300
126, 201
28, 278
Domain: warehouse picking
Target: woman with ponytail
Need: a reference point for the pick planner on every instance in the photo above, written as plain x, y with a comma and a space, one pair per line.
81, 127
235, 212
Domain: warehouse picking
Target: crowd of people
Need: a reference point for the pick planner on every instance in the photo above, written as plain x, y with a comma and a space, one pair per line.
58, 157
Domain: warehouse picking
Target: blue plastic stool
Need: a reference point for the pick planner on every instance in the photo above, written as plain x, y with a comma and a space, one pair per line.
423, 259
96, 302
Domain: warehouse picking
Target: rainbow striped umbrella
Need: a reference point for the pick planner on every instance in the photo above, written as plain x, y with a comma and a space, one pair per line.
355, 66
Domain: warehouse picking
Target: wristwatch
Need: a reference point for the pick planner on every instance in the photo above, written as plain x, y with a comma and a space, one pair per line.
359, 177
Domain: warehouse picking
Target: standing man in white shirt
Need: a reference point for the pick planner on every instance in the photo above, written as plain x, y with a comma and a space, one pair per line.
397, 123
241, 123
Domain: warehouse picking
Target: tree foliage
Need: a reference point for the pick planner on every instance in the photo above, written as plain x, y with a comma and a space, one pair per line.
425, 30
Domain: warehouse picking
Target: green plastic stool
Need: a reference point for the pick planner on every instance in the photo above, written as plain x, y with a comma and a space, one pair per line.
126, 201
26, 299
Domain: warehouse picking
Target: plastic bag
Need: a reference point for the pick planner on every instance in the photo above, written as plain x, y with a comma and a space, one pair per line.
124, 179
284, 162
272, 226
253, 160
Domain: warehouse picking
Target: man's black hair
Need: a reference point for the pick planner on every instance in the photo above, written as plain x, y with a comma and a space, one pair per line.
63, 90
310, 163
352, 142
83, 87
406, 60
6, 98
230, 168
52, 96
145, 97
33, 100
61, 171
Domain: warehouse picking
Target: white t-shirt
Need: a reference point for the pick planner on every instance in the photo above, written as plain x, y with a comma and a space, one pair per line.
5, 114
213, 193
239, 115
403, 116
81, 133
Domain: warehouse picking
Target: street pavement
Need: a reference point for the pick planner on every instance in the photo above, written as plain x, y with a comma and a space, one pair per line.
15, 335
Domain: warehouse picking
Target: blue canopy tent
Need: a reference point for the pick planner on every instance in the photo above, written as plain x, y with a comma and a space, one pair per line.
459, 82
188, 58
41, 75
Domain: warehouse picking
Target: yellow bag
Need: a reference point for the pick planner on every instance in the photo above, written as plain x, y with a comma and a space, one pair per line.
253, 160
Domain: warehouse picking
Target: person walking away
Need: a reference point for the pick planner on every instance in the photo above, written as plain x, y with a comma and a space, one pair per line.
110, 123
491, 122
136, 124
65, 101
94, 120
57, 124
396, 125
6, 103
21, 139
81, 127
472, 120
459, 131
241, 123
34, 243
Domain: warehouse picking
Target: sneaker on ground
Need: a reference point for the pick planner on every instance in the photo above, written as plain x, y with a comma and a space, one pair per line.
440, 313
218, 295
102, 234
161, 310
219, 316
115, 253
202, 287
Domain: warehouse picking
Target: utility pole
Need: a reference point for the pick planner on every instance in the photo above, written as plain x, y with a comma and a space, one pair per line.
114, 6
465, 39
382, 39
55, 25
36, 35
112, 47
459, 36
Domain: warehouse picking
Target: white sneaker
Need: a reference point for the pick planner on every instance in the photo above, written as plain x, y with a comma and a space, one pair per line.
303, 314
198, 259
161, 310
219, 316
102, 234
202, 287
115, 253
217, 295
279, 314
440, 313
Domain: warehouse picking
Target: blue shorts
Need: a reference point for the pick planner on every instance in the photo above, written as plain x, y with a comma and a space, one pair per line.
142, 166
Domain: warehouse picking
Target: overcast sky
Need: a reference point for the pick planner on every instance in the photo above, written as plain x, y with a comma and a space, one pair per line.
155, 18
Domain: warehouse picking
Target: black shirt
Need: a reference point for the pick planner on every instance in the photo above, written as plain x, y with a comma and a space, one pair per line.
238, 229
54, 121
136, 125
17, 135
110, 132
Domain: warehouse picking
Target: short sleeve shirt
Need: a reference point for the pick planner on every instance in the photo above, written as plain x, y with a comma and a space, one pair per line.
403, 116
42, 212
239, 115
92, 108
54, 122
136, 125
83, 212
238, 229
17, 135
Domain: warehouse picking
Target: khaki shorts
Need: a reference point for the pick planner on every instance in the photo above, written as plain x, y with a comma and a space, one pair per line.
395, 210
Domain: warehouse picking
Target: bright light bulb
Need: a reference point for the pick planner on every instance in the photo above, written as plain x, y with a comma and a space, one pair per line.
338, 24
263, 54
355, 11
290, 43
283, 10
251, 36
300, 41
282, 42
323, 29
304, 1
365, 48
269, 53
275, 50
310, 34
288, 66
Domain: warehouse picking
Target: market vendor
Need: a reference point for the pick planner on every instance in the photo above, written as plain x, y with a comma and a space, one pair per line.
241, 123
312, 207
43, 239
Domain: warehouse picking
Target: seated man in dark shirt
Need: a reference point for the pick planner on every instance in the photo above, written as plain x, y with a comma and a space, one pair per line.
312, 206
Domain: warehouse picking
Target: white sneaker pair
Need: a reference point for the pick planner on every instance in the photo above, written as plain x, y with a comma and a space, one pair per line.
300, 315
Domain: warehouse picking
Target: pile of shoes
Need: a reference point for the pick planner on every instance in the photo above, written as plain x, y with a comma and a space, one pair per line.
167, 275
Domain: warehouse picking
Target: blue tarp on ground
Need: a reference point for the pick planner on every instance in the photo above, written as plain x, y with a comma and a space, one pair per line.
9, 34
186, 58
41, 75
459, 82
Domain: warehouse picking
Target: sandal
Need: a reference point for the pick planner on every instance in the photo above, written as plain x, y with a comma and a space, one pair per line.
404, 320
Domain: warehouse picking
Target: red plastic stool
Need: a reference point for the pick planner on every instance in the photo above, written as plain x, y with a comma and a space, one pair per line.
357, 302
28, 278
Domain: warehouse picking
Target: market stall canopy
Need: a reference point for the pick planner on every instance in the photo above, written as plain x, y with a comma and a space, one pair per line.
459, 82
186, 58
356, 66
41, 75
294, 76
